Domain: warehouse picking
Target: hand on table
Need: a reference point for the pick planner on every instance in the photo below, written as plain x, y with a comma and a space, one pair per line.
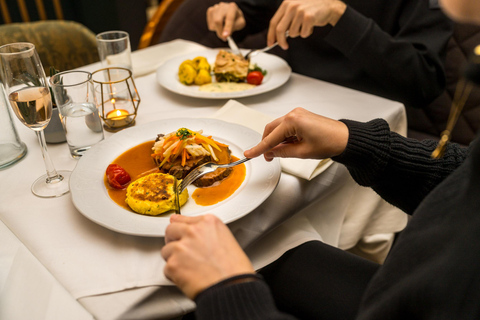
224, 18
301, 134
201, 251
299, 17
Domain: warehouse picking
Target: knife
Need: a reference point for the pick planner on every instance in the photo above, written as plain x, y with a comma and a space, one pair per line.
177, 197
233, 46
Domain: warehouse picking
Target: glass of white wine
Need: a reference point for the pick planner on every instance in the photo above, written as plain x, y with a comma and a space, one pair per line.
29, 95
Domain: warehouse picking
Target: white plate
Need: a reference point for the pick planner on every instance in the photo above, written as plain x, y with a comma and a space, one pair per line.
91, 198
278, 72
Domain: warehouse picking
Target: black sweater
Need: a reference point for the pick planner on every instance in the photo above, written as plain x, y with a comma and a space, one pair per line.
432, 271
391, 48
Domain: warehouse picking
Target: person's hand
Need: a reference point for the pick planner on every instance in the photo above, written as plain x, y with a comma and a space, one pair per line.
299, 17
224, 18
201, 251
301, 134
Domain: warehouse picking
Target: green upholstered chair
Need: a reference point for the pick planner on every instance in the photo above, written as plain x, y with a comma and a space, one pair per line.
61, 44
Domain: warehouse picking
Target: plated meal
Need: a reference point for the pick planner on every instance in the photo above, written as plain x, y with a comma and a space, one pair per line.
229, 73
219, 74
91, 197
143, 178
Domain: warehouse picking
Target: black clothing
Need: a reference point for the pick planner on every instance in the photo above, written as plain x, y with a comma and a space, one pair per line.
432, 270
391, 48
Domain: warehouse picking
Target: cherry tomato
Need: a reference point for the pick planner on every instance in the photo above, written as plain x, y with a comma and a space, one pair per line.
117, 177
255, 77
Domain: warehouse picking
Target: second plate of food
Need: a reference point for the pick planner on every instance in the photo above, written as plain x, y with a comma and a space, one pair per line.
91, 197
278, 72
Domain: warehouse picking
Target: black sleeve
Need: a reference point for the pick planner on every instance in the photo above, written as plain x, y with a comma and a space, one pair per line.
410, 60
399, 169
249, 300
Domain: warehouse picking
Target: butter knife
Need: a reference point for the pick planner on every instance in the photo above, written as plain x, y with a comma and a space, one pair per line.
233, 46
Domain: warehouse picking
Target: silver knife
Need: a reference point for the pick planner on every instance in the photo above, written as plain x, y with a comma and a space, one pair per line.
177, 197
233, 46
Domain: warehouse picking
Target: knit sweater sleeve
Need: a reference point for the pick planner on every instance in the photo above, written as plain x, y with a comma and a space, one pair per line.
249, 300
399, 169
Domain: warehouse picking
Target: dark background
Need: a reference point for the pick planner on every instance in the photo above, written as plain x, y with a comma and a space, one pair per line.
97, 15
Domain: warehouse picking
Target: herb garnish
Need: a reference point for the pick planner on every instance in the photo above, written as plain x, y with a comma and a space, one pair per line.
183, 133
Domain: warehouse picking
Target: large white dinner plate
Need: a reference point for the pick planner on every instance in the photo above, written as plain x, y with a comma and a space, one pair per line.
91, 198
278, 72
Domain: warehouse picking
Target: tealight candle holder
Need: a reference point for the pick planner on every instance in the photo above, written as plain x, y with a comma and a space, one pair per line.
118, 97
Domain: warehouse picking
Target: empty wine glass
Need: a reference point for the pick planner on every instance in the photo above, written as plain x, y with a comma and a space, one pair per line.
29, 95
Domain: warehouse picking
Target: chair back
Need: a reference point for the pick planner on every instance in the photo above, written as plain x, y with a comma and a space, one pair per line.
154, 28
64, 45
28, 10
430, 121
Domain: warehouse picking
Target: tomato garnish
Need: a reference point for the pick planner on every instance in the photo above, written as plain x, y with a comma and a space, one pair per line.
117, 177
255, 77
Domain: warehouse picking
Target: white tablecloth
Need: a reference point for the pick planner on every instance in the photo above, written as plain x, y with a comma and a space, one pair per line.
115, 275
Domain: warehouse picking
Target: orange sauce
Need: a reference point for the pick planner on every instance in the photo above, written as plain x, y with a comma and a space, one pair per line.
138, 163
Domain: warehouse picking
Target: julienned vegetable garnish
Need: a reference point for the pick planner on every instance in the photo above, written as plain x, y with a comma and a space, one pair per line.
185, 143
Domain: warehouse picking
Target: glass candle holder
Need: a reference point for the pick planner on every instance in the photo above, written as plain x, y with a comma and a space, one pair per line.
117, 97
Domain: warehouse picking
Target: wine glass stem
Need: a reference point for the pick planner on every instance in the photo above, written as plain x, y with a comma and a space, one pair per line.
52, 174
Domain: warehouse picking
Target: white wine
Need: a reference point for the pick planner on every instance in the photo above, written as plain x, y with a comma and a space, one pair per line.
33, 106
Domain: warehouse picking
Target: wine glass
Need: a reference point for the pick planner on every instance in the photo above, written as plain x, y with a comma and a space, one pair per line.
29, 95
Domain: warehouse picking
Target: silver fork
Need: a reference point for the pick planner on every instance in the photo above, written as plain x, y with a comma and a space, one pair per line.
253, 53
203, 169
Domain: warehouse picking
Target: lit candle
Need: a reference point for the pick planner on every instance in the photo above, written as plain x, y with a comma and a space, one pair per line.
118, 118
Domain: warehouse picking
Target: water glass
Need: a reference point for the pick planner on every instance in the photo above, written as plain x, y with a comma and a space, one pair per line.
75, 99
114, 49
12, 148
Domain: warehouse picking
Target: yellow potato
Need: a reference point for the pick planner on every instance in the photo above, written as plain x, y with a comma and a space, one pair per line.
186, 73
201, 63
154, 194
203, 77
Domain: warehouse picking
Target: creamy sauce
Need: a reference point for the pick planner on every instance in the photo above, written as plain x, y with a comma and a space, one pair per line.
226, 87
138, 162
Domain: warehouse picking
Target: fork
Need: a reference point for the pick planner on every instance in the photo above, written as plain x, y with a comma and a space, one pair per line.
203, 169
253, 53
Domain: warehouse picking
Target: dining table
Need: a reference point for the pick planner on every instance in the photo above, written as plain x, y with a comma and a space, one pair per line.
56, 263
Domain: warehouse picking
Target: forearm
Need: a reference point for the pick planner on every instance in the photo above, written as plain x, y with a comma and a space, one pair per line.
399, 169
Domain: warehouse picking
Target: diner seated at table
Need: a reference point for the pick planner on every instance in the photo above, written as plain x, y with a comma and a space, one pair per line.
431, 272
394, 49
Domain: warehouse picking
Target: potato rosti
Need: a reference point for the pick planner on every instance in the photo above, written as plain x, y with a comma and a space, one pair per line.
153, 194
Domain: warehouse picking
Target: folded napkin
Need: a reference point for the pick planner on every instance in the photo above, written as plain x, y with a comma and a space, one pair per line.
147, 60
235, 112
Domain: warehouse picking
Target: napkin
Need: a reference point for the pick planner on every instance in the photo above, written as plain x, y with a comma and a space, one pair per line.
234, 111
148, 60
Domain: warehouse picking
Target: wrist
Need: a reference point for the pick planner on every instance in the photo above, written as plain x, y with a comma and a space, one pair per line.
337, 11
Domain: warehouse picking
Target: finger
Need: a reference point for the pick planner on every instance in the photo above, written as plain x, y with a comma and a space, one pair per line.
278, 135
272, 35
185, 219
229, 20
175, 232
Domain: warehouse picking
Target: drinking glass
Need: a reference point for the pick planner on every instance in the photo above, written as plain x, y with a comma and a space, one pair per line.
75, 98
29, 95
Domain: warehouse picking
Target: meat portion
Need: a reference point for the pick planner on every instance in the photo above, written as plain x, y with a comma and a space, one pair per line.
212, 177
177, 170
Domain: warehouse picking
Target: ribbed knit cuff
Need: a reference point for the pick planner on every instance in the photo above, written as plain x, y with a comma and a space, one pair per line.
231, 299
367, 151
